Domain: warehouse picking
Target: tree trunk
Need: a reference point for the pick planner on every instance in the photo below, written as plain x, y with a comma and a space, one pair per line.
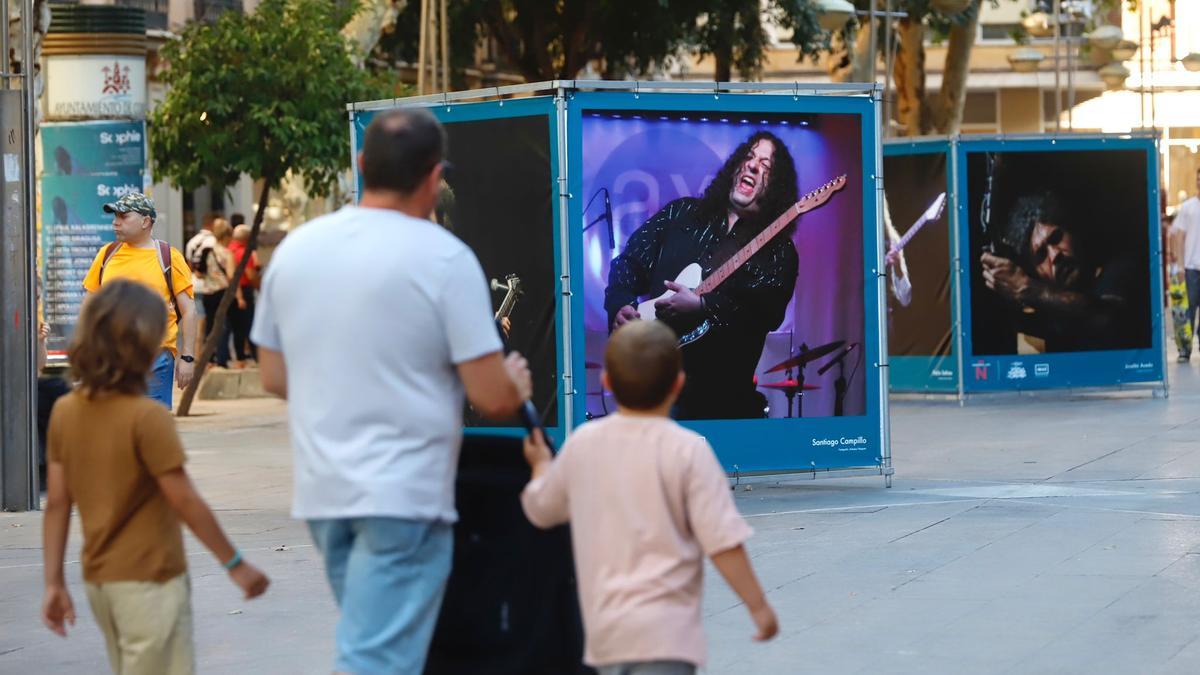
851, 62
947, 112
909, 73
210, 344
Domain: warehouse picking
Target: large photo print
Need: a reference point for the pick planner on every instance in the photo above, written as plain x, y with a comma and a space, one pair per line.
744, 233
497, 199
917, 237
1059, 251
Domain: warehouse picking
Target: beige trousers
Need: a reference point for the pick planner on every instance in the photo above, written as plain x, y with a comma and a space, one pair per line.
147, 626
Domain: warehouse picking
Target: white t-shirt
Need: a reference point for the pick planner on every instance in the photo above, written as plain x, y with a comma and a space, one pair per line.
372, 310
1187, 220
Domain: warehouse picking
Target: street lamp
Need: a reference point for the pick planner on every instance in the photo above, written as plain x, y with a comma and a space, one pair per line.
1025, 60
833, 15
1191, 61
1105, 37
1114, 75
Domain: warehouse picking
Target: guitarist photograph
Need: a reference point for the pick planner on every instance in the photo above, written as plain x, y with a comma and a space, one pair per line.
755, 185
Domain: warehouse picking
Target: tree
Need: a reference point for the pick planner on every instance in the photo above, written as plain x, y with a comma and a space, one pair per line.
262, 94
556, 40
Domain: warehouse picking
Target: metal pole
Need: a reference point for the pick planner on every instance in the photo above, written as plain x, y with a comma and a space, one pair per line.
887, 75
6, 69
1142, 61
1057, 66
566, 296
885, 450
18, 432
421, 50
871, 40
444, 25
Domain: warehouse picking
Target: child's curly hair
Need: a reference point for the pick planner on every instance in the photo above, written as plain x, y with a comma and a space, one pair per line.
119, 334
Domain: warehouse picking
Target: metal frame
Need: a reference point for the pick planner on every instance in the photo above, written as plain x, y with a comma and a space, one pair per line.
18, 381
562, 93
940, 145
1080, 142
556, 87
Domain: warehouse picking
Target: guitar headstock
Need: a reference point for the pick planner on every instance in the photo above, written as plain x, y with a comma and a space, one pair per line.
822, 194
514, 284
935, 209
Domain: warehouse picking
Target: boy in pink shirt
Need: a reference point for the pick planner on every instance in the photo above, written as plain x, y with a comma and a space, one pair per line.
647, 500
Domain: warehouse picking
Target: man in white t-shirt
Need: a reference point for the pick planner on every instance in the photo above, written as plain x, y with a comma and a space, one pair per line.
371, 322
1187, 221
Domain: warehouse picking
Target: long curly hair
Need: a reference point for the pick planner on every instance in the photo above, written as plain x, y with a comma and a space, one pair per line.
781, 193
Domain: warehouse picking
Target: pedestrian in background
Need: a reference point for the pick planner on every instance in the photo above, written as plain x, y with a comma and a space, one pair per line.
116, 455
212, 266
1187, 224
372, 322
137, 256
647, 502
241, 314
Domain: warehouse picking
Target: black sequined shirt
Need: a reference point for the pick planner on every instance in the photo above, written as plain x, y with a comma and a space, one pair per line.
741, 311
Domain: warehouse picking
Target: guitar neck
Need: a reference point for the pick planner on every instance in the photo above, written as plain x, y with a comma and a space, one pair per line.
756, 244
506, 307
912, 232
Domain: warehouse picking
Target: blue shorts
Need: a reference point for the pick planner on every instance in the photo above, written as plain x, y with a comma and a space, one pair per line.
388, 576
162, 377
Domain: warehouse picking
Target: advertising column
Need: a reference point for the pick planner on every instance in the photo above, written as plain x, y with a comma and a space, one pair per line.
93, 147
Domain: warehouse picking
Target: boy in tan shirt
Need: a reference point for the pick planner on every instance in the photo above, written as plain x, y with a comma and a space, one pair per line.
115, 454
647, 501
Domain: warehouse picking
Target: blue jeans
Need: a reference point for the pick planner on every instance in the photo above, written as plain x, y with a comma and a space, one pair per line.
162, 376
388, 576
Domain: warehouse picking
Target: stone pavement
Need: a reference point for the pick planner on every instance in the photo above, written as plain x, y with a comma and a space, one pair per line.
1050, 534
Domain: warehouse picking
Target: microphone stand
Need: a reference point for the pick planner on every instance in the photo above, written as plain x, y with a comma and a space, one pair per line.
839, 385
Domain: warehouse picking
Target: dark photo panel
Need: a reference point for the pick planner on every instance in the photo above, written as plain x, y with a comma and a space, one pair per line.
758, 219
497, 199
919, 288
1059, 251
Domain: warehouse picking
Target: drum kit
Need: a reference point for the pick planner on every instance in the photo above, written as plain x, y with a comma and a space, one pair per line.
794, 387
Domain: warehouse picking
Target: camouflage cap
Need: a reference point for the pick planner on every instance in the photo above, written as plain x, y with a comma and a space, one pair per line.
133, 201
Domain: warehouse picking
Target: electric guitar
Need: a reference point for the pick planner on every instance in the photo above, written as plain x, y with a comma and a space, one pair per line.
931, 214
691, 276
512, 290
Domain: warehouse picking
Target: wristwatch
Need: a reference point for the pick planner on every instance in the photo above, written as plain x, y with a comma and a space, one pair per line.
187, 358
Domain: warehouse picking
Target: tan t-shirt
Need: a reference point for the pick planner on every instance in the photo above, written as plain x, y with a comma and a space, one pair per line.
647, 501
112, 447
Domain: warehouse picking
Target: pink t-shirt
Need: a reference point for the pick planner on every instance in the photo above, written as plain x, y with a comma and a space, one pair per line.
647, 501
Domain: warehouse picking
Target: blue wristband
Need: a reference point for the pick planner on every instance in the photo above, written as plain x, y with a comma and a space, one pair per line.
234, 561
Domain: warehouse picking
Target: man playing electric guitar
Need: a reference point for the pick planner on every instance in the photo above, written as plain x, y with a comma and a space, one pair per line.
756, 184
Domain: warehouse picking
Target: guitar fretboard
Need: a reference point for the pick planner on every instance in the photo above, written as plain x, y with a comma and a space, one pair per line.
809, 202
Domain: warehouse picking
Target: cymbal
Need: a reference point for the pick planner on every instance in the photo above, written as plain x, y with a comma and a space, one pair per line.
789, 385
806, 356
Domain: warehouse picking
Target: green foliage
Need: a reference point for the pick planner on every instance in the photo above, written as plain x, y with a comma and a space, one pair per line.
546, 39
260, 94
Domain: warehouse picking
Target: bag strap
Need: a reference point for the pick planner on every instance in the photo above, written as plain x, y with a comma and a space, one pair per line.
164, 261
109, 251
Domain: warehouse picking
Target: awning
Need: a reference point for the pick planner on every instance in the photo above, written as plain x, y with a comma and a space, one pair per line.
1124, 111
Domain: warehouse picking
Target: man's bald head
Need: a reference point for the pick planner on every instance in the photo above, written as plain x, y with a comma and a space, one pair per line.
400, 148
643, 362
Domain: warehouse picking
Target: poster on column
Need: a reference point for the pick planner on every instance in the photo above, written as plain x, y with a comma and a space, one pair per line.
84, 165
744, 232
920, 293
496, 197
1060, 246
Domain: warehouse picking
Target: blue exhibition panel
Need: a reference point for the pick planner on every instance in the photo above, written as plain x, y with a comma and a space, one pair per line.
1061, 276
923, 327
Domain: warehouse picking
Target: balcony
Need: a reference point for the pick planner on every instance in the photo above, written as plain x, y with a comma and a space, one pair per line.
156, 11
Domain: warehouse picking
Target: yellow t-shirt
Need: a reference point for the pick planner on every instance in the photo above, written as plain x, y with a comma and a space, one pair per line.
142, 265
